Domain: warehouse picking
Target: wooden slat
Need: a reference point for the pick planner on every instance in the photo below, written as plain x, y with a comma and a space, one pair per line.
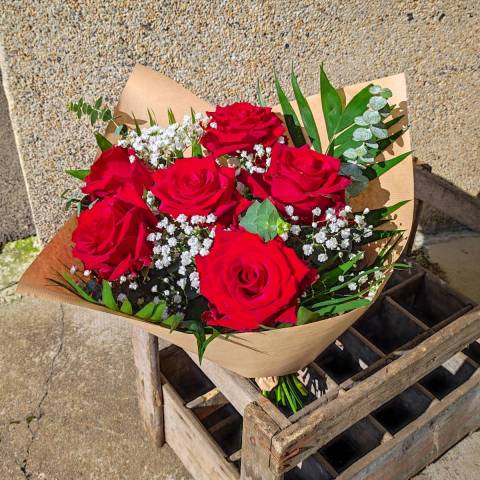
200, 454
447, 198
149, 387
301, 439
425, 439
258, 431
239, 390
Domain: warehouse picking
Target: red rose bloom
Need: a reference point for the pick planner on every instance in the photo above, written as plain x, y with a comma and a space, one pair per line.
302, 178
240, 126
249, 283
199, 186
110, 238
113, 173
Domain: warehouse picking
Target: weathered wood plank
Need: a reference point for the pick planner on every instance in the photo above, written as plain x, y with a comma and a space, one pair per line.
258, 430
301, 439
239, 390
149, 387
425, 439
447, 198
197, 450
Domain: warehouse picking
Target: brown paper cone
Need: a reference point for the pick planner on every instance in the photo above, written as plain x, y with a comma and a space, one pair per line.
253, 354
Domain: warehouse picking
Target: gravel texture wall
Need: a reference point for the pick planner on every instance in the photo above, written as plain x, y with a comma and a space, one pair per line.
55, 51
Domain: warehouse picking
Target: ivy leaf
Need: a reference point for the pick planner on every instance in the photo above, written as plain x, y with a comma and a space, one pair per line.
147, 311
291, 119
80, 174
304, 316
262, 219
306, 113
107, 296
102, 142
378, 169
331, 104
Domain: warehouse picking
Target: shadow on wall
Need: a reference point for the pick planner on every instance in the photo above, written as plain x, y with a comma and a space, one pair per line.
15, 214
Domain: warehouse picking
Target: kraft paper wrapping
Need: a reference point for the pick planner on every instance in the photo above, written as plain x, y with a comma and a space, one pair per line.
253, 354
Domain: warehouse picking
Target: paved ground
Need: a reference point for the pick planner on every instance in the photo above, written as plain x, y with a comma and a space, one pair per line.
15, 216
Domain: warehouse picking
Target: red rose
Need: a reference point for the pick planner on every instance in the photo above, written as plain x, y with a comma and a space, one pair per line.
199, 186
113, 173
302, 178
110, 238
240, 126
249, 283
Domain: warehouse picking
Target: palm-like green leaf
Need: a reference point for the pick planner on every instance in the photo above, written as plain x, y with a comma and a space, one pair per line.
291, 119
306, 113
378, 169
107, 296
331, 104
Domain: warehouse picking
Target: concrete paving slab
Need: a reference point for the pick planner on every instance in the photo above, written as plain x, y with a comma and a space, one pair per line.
15, 215
459, 258
83, 416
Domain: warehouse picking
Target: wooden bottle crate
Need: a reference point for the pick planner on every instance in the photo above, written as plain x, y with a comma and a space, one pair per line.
386, 399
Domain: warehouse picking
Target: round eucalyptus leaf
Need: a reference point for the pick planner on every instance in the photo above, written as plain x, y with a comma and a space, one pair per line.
371, 117
362, 134
380, 133
377, 103
360, 121
350, 153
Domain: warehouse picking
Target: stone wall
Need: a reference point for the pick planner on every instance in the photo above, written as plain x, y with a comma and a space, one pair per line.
55, 51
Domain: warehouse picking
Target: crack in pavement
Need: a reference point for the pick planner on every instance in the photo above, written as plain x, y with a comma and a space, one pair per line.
38, 413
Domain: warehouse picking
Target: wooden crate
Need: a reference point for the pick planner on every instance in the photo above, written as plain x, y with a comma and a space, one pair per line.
386, 399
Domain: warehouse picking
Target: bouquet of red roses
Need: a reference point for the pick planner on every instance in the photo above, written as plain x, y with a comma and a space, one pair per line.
238, 219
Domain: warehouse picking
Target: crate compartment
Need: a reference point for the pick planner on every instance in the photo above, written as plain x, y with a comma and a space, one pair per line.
388, 327
313, 468
402, 410
225, 426
338, 363
186, 378
443, 380
430, 300
473, 351
352, 444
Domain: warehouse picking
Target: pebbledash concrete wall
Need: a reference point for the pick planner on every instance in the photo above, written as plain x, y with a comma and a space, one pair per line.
55, 51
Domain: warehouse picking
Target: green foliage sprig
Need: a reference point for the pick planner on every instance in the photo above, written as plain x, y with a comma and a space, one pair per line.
97, 111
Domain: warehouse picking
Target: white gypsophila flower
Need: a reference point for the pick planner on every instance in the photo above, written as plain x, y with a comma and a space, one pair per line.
317, 211
323, 257
73, 269
289, 210
379, 275
307, 249
363, 279
151, 237
182, 218
207, 243
320, 237
177, 298
341, 278
295, 229
211, 218
131, 158
352, 286
156, 300
284, 236
154, 289
86, 273
281, 139
133, 285
182, 282
182, 270
331, 243
345, 233
314, 224
345, 244
123, 279
121, 297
